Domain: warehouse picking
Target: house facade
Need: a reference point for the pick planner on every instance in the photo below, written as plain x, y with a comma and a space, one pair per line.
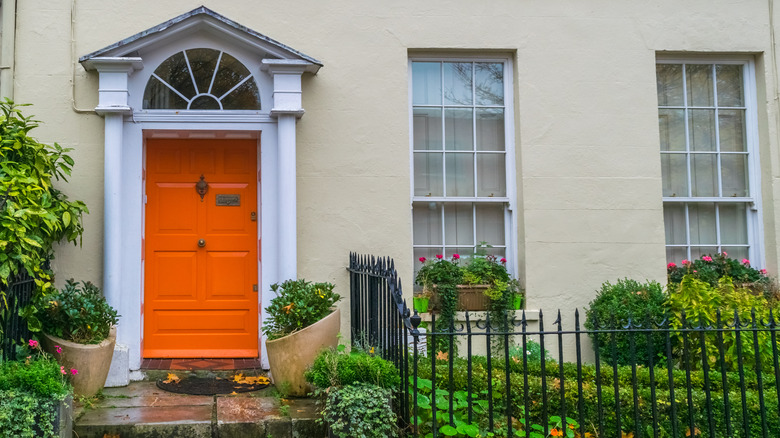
227, 147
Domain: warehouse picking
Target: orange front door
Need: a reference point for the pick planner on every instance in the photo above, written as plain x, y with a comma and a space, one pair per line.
200, 282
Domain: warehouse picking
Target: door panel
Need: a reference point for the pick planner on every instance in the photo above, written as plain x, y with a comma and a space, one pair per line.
200, 301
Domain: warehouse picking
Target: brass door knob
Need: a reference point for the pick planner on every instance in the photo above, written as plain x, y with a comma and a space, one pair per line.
201, 243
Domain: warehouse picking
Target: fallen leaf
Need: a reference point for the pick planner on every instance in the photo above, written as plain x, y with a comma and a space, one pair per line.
172, 378
442, 355
234, 393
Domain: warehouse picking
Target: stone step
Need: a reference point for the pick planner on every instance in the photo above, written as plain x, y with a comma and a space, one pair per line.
143, 410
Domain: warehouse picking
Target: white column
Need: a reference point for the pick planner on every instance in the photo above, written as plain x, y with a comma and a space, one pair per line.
112, 209
288, 199
287, 109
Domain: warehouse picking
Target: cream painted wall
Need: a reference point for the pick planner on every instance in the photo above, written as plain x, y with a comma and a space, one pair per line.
589, 174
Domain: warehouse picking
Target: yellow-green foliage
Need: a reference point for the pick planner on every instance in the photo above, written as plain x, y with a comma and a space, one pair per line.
723, 306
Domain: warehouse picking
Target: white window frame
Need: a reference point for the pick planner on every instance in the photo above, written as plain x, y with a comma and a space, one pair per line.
755, 227
510, 200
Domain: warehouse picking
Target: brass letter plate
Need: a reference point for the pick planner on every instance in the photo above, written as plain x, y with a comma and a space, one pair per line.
228, 200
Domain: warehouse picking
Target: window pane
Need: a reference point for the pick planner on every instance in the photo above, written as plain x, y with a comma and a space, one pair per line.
427, 223
671, 126
427, 128
245, 97
734, 175
490, 224
702, 129
428, 174
463, 251
459, 129
730, 92
203, 62
733, 223
204, 103
426, 83
674, 223
676, 254
176, 73
669, 84
460, 174
459, 224
731, 124
158, 96
491, 175
490, 129
737, 252
674, 172
703, 175
457, 83
702, 222
230, 72
489, 85
699, 82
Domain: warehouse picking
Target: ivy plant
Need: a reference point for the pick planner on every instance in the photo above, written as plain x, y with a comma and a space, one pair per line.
34, 215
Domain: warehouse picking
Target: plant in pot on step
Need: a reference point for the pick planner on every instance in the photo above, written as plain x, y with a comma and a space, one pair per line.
79, 325
301, 322
355, 390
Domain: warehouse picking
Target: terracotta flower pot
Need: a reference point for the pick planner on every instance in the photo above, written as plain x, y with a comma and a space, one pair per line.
91, 360
291, 355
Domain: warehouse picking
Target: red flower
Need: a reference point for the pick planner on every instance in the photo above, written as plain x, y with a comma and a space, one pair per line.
439, 256
74, 371
423, 259
503, 260
455, 256
33, 343
671, 265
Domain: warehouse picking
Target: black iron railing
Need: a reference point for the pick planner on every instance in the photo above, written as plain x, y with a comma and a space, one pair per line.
14, 328
720, 380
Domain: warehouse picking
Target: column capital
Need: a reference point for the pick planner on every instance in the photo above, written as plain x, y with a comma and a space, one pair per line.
113, 85
287, 84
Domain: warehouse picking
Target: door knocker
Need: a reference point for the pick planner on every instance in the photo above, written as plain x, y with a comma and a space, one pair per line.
202, 187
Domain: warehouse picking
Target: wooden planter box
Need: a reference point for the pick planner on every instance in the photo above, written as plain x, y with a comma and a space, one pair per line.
470, 297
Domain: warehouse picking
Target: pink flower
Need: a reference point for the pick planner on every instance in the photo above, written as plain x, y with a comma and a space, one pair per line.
33, 343
763, 271
455, 256
745, 261
58, 349
423, 259
503, 260
74, 371
62, 370
439, 256
725, 253
685, 261
671, 266
706, 258
695, 271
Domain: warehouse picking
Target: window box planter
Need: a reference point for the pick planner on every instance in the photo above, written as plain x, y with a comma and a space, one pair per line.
470, 297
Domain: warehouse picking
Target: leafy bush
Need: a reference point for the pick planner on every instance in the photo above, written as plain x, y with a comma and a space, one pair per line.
614, 304
337, 368
532, 349
703, 305
710, 269
298, 304
24, 415
34, 215
78, 313
478, 381
360, 410
37, 376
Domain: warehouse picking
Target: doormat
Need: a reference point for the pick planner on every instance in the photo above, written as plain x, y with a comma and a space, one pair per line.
212, 385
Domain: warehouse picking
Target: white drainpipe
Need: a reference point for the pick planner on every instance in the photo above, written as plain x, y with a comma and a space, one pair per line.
8, 48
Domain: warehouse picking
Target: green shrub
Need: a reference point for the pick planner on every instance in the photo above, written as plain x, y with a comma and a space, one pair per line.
24, 415
78, 313
611, 309
38, 375
711, 268
478, 379
532, 349
297, 305
360, 410
337, 368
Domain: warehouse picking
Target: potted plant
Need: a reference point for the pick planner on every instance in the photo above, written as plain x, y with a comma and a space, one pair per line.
421, 300
79, 325
301, 322
356, 392
35, 397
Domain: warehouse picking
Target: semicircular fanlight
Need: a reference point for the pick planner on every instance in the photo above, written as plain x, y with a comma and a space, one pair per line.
202, 79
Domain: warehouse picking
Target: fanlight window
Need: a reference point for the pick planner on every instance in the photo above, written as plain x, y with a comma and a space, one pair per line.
202, 79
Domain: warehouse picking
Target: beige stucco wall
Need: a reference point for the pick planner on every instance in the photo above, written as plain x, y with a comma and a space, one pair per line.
589, 175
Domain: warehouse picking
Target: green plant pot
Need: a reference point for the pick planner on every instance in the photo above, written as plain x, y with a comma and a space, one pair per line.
421, 304
517, 304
